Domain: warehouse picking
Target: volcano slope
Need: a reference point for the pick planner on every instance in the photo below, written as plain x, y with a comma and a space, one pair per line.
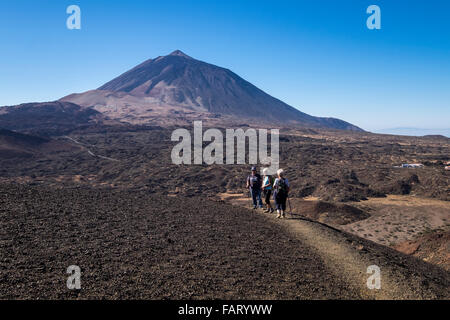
132, 245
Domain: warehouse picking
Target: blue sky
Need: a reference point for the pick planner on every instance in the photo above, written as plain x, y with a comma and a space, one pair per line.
317, 56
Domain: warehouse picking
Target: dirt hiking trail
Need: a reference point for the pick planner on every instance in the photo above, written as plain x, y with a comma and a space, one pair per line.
348, 257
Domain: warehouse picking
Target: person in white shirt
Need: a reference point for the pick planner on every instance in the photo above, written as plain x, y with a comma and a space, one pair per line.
267, 189
280, 193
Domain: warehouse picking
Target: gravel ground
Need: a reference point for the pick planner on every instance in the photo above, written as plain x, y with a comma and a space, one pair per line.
132, 245
139, 246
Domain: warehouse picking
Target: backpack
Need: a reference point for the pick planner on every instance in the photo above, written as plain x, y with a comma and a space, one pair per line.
282, 186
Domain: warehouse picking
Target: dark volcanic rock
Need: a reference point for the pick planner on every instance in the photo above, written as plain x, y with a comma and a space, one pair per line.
139, 246
132, 245
12, 139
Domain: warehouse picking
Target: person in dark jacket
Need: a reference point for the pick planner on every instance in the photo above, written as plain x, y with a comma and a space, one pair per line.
254, 183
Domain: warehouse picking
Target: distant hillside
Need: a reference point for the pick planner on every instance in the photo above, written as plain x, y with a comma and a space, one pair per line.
416, 132
46, 117
14, 145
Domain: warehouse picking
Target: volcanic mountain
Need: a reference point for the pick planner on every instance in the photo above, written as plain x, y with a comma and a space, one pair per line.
178, 87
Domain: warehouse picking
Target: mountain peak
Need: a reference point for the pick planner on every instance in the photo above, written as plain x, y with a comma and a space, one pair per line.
179, 53
181, 81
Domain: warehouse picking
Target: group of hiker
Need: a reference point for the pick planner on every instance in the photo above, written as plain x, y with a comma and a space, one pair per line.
278, 188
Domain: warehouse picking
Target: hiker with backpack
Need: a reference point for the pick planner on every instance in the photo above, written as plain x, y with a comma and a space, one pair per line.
267, 189
280, 193
254, 182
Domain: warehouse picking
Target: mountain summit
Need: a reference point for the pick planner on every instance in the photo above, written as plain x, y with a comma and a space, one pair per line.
179, 53
178, 80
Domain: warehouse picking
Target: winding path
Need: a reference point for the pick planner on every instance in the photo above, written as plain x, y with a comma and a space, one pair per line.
89, 151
